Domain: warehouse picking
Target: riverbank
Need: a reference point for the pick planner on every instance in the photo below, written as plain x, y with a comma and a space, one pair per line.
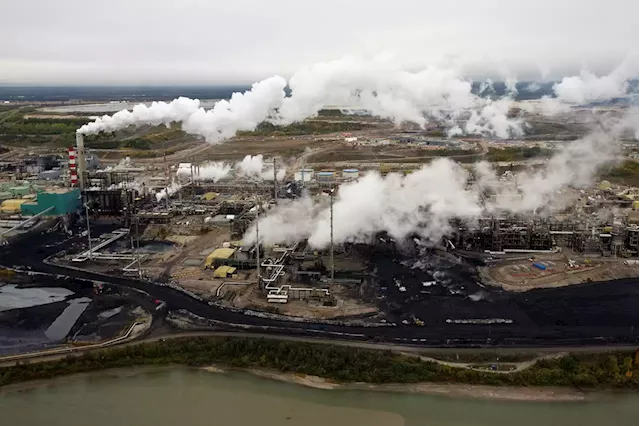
450, 390
347, 366
454, 390
170, 395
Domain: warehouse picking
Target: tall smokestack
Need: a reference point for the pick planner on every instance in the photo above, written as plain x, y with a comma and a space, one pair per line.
73, 167
81, 159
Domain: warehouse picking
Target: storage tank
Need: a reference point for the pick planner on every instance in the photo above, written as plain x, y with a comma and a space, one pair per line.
540, 266
325, 176
350, 173
19, 191
11, 206
604, 185
303, 175
50, 174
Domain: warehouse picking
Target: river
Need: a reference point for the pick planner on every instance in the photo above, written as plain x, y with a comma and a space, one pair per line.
184, 396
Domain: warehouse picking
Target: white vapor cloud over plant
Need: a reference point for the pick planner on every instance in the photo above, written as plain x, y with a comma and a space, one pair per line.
377, 86
587, 87
425, 202
380, 87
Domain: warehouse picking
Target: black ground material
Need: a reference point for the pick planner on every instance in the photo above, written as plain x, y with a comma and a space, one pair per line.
592, 314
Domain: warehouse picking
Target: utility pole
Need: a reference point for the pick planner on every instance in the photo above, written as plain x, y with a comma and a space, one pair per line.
331, 211
193, 183
166, 179
136, 249
258, 240
86, 211
275, 181
138, 246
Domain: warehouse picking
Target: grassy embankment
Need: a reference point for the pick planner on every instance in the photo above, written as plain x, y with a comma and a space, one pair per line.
517, 153
15, 129
338, 363
309, 127
625, 173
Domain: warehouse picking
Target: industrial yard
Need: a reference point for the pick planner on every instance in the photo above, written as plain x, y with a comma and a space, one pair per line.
184, 216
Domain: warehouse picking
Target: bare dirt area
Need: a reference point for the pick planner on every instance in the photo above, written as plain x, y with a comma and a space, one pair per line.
344, 152
268, 146
522, 275
193, 247
251, 297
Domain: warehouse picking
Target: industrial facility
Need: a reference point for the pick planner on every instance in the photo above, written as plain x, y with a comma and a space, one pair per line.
195, 225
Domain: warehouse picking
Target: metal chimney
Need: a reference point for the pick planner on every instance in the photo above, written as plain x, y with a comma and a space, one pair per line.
81, 159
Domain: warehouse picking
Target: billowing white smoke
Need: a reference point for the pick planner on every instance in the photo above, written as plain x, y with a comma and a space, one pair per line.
124, 163
253, 167
399, 205
209, 171
582, 89
574, 164
425, 201
590, 88
378, 87
492, 119
384, 90
171, 189
532, 87
178, 110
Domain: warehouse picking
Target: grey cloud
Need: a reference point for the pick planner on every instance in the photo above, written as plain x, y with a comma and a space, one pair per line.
196, 41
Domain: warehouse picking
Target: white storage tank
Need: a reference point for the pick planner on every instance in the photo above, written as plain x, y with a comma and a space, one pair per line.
303, 175
350, 173
325, 176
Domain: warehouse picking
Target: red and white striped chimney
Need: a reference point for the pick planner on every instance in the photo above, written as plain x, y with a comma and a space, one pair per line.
73, 167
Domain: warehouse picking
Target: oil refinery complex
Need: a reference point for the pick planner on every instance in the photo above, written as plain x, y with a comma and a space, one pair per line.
203, 229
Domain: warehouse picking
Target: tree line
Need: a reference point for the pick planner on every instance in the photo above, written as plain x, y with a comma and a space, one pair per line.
303, 128
339, 363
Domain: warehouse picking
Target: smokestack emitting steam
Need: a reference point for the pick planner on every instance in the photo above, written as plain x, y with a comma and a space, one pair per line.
81, 159
424, 202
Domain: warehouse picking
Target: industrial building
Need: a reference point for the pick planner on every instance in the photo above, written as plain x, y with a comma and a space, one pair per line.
57, 202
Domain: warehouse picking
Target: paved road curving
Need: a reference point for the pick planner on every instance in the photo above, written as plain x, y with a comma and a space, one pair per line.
21, 254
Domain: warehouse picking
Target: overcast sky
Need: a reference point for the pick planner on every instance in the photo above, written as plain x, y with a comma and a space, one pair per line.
212, 41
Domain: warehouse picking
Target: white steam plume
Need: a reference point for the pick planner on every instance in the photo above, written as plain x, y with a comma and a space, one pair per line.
590, 88
124, 163
208, 171
585, 88
378, 86
532, 87
171, 189
425, 201
253, 167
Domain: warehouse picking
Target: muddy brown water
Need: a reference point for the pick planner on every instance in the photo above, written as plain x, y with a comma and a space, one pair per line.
183, 396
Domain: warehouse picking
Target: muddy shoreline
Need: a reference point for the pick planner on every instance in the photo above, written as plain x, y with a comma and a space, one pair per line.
454, 390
